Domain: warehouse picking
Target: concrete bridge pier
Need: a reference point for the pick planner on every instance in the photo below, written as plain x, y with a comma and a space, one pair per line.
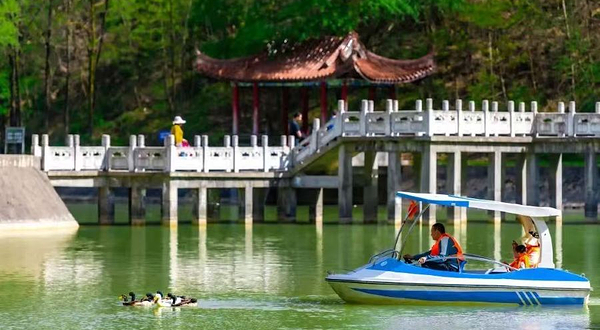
495, 182
590, 178
169, 203
345, 184
248, 204
258, 204
370, 197
532, 186
394, 177
286, 203
137, 205
106, 206
454, 185
555, 183
429, 179
200, 206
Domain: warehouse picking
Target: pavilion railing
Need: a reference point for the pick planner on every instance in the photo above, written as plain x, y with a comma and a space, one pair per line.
488, 121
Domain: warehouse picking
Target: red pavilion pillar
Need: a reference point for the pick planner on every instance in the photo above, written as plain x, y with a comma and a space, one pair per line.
393, 92
372, 93
344, 91
305, 119
235, 108
255, 102
285, 101
323, 102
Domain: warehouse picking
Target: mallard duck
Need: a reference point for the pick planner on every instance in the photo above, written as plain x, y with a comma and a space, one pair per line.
143, 302
182, 301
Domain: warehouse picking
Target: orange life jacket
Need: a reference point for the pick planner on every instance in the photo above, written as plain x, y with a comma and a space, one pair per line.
435, 249
533, 252
522, 260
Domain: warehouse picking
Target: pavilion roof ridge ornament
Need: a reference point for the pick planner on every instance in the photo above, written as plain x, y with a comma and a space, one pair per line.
315, 60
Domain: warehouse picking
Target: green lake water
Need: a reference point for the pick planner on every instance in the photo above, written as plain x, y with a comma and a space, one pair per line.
267, 276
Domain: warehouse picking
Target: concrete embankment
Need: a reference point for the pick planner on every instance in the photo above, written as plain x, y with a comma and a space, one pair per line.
27, 199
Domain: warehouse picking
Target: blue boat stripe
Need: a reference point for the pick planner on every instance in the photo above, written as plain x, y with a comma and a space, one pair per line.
529, 303
522, 301
505, 297
533, 298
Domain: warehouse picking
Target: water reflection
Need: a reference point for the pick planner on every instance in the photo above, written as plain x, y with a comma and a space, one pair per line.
260, 276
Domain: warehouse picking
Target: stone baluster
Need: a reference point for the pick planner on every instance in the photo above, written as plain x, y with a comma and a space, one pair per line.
485, 107
389, 108
314, 137
77, 155
522, 111
254, 145
572, 118
472, 110
106, 145
45, 153
419, 116
446, 109
71, 144
511, 116
534, 111
36, 150
141, 141
265, 152
227, 144
236, 154
395, 105
364, 109
171, 152
430, 118
495, 111
205, 154
131, 165
459, 118
561, 110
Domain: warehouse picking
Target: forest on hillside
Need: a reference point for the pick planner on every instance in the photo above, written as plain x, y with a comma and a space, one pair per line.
119, 67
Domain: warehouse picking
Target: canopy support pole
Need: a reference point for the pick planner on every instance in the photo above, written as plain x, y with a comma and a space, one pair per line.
494, 181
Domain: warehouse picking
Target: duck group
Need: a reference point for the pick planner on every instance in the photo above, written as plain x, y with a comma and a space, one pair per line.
158, 299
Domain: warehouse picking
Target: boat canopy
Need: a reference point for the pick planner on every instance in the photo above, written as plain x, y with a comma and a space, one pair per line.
529, 223
482, 204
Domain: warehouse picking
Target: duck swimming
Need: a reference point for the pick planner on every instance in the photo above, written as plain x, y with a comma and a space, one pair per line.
133, 302
181, 301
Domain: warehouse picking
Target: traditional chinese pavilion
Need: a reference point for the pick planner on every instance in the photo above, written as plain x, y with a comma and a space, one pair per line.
313, 61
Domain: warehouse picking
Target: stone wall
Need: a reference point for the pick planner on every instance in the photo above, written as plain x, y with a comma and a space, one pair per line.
27, 199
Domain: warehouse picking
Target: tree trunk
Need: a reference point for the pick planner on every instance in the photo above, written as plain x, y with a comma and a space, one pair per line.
68, 73
47, 78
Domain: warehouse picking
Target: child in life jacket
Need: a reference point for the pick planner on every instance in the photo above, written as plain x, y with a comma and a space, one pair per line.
521, 260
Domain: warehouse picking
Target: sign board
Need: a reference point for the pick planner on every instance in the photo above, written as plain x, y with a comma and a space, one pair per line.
14, 136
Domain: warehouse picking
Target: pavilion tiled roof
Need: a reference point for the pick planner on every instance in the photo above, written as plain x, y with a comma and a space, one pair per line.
330, 57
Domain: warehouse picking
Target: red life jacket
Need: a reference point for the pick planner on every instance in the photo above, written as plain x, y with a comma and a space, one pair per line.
435, 249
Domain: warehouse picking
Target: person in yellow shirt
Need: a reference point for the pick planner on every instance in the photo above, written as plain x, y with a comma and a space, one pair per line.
177, 132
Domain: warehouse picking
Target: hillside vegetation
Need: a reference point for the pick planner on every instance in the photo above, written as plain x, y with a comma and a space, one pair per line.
126, 67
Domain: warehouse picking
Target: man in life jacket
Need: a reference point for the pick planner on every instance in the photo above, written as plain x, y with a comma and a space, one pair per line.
437, 258
521, 258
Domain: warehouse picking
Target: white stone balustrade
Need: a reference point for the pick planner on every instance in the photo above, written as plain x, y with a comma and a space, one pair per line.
137, 157
231, 157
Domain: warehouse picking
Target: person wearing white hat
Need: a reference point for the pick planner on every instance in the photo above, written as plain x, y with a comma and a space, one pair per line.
177, 132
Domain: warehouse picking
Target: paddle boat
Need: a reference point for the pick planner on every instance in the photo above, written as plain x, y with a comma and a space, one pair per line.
387, 279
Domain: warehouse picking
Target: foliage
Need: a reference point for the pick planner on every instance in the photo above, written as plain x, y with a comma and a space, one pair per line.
495, 49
